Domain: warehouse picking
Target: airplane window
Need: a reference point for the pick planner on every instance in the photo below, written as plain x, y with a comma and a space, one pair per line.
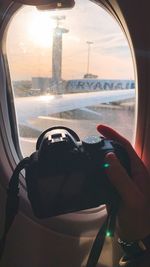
72, 68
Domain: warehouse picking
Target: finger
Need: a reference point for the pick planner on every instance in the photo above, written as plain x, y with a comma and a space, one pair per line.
139, 172
112, 134
121, 181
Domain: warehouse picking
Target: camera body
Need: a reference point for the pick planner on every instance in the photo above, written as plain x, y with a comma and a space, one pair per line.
66, 174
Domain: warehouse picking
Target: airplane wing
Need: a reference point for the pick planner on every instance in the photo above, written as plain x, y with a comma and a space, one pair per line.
46, 105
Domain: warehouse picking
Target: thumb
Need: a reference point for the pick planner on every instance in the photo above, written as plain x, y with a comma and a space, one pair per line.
120, 180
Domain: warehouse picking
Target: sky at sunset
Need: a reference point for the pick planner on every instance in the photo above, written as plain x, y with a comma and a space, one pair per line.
30, 36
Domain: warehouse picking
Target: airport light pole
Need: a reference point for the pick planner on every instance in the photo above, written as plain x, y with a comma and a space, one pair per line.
88, 57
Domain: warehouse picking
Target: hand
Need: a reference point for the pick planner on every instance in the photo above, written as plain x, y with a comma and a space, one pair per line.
133, 221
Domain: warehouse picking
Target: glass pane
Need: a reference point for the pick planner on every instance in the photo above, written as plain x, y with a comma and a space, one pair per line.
72, 68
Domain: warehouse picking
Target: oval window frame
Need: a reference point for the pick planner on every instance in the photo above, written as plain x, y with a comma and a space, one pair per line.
57, 224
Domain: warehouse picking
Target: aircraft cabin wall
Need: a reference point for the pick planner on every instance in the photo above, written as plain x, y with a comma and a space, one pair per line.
66, 241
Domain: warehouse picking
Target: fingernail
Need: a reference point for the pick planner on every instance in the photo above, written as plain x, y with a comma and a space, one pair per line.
110, 157
100, 128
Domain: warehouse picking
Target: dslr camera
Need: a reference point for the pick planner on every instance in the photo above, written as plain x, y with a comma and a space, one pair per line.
66, 174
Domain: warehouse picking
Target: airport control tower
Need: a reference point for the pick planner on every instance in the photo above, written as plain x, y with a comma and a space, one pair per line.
57, 55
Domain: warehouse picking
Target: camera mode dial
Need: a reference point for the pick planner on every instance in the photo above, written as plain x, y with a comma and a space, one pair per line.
91, 142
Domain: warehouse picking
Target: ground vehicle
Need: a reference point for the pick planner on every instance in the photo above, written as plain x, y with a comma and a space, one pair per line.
134, 18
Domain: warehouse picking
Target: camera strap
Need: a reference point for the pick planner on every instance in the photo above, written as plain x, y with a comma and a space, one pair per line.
12, 201
107, 229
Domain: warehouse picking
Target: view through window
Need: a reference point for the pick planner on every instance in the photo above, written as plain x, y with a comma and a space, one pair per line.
72, 68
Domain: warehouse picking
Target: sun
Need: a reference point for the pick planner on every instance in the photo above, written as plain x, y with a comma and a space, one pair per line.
41, 28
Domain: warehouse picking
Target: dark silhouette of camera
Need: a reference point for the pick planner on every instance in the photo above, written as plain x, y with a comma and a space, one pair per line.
67, 175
